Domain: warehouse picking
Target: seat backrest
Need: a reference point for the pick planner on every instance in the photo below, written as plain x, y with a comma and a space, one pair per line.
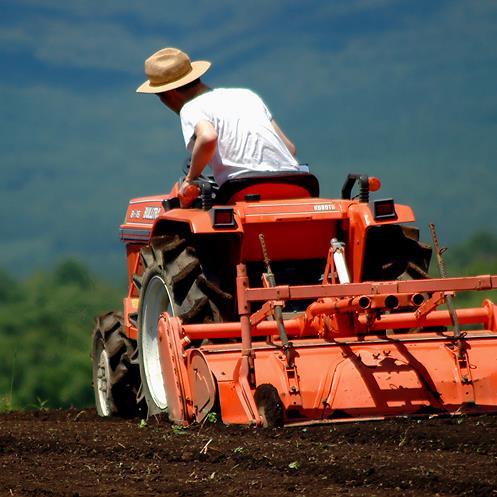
268, 186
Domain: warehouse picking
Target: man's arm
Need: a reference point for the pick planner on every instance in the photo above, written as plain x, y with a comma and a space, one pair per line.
203, 149
290, 145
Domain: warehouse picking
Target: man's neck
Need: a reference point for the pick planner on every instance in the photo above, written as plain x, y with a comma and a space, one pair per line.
196, 91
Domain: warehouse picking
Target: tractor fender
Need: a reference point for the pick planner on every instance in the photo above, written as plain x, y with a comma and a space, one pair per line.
197, 221
146, 218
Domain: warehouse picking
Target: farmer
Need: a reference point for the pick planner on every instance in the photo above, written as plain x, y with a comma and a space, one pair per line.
231, 130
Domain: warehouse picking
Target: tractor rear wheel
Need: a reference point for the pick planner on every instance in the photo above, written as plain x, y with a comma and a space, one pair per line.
115, 378
172, 281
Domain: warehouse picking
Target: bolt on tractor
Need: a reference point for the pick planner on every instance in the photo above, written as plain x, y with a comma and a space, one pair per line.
269, 305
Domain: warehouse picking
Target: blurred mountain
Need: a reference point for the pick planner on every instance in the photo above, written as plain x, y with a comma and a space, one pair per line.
401, 90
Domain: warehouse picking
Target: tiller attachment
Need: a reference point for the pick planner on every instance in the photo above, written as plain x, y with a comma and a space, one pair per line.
359, 351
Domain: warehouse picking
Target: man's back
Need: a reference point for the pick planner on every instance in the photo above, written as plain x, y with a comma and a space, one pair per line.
247, 139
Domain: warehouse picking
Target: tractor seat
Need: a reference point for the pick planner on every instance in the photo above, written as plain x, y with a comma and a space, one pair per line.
269, 186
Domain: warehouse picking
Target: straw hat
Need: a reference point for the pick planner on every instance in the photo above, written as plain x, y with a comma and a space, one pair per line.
170, 68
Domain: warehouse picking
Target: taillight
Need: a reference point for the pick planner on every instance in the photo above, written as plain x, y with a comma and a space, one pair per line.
223, 217
384, 209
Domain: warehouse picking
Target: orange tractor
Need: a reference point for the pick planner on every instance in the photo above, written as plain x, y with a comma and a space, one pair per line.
270, 305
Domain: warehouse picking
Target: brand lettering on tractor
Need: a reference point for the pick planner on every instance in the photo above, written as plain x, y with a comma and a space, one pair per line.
135, 214
324, 207
151, 213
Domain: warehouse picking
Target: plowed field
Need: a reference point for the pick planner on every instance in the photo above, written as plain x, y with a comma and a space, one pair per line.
75, 453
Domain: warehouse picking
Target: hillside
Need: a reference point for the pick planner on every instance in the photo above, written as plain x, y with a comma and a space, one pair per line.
401, 90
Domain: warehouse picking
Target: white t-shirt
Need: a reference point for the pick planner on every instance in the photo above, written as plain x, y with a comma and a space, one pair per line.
246, 140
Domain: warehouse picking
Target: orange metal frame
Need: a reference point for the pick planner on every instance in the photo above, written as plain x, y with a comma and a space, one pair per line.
353, 371
361, 350
314, 219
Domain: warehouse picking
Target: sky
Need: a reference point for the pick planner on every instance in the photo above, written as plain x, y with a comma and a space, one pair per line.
405, 90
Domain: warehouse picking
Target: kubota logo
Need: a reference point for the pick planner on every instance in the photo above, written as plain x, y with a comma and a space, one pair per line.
324, 207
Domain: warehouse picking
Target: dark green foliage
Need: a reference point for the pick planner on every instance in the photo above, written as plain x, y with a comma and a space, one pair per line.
9, 289
72, 272
476, 256
45, 329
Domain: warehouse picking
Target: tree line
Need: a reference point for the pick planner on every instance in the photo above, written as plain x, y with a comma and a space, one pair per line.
45, 328
46, 322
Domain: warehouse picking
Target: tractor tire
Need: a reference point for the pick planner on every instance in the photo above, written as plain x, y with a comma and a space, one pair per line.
116, 379
172, 281
395, 252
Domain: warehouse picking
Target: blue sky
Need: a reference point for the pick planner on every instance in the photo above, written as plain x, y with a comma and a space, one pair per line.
402, 89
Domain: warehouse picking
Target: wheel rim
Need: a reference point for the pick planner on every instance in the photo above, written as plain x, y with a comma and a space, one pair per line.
155, 301
103, 382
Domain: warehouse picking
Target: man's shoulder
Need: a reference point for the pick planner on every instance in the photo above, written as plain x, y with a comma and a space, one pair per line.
212, 102
218, 96
238, 92
220, 91
199, 103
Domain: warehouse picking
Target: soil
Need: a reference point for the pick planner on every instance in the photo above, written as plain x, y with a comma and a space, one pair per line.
75, 453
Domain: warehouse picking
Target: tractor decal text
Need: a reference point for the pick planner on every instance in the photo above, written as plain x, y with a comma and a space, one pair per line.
135, 214
324, 207
151, 213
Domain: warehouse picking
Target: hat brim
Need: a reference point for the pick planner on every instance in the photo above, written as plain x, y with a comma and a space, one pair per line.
199, 67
